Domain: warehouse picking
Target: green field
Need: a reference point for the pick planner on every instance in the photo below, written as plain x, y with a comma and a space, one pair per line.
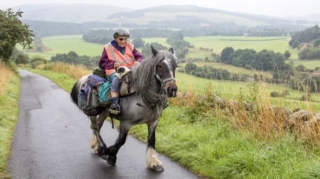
218, 43
230, 68
64, 44
310, 64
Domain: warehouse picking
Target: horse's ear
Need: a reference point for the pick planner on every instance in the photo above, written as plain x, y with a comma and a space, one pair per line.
154, 51
171, 50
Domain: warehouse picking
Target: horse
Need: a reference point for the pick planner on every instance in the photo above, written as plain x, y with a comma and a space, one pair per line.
154, 82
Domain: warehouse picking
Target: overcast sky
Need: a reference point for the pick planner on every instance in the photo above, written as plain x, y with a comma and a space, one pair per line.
265, 7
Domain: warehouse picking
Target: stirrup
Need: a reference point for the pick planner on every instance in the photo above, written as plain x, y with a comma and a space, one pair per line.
114, 109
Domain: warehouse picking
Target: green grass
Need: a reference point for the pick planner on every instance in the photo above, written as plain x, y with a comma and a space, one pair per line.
8, 118
212, 148
231, 90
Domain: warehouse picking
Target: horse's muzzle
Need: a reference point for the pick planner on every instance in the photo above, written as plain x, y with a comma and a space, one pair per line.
172, 89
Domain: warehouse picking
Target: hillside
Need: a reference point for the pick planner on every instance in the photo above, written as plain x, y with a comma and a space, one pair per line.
187, 12
67, 13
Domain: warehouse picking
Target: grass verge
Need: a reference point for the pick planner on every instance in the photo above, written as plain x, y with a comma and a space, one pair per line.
9, 97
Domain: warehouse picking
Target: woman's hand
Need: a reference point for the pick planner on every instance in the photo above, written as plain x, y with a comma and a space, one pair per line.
116, 65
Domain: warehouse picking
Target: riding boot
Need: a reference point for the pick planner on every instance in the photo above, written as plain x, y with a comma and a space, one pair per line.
115, 106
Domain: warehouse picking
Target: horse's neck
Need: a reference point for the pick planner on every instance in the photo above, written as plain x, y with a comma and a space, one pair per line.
152, 84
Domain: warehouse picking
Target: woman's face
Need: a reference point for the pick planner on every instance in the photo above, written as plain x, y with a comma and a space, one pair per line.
121, 41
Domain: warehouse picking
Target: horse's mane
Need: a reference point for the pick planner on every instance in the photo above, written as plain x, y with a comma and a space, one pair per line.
146, 70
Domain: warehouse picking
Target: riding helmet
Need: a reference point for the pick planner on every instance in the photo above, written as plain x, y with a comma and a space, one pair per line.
121, 32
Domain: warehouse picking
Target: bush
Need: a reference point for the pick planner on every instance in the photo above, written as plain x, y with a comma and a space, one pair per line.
21, 58
37, 60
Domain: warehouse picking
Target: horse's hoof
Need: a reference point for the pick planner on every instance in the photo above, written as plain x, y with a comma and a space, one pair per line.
157, 168
112, 160
104, 157
102, 151
95, 151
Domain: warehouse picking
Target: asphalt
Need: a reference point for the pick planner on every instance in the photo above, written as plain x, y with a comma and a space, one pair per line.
52, 140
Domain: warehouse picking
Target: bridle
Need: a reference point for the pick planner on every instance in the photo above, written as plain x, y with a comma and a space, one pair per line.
154, 99
163, 81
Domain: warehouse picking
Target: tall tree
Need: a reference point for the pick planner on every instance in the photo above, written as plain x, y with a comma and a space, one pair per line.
226, 55
287, 54
13, 31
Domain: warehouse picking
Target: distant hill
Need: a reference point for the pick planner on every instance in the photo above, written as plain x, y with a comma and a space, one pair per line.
314, 17
185, 12
67, 13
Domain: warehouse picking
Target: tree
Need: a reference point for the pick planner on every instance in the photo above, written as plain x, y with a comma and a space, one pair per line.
190, 67
146, 50
287, 54
316, 42
226, 55
21, 58
138, 42
13, 32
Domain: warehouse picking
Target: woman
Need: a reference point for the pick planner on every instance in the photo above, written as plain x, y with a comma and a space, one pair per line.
119, 52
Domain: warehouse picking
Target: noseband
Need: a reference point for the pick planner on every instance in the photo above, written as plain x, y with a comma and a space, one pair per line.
165, 80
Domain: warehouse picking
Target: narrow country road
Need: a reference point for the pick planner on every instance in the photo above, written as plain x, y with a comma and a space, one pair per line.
52, 141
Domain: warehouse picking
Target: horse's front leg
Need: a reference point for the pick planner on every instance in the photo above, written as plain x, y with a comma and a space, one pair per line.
102, 147
153, 162
113, 150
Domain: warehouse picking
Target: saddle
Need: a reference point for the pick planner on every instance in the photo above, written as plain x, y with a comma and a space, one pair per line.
95, 93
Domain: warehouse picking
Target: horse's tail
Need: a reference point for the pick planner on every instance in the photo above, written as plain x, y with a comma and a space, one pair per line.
76, 89
74, 94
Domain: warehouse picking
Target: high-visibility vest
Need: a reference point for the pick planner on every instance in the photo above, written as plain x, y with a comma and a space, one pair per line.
126, 59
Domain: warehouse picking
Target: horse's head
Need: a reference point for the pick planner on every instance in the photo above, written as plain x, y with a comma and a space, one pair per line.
165, 71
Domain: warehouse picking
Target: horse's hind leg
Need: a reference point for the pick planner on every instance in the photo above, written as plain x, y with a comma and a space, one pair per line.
102, 148
100, 120
152, 160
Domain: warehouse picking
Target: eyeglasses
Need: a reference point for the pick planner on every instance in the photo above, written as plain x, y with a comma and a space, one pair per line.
123, 39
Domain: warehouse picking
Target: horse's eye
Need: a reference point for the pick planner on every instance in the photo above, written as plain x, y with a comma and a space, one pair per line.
159, 66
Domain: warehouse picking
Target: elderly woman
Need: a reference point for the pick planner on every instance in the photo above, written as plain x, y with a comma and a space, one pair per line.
119, 52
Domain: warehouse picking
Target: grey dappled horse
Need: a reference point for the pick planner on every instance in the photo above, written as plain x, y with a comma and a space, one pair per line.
153, 81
